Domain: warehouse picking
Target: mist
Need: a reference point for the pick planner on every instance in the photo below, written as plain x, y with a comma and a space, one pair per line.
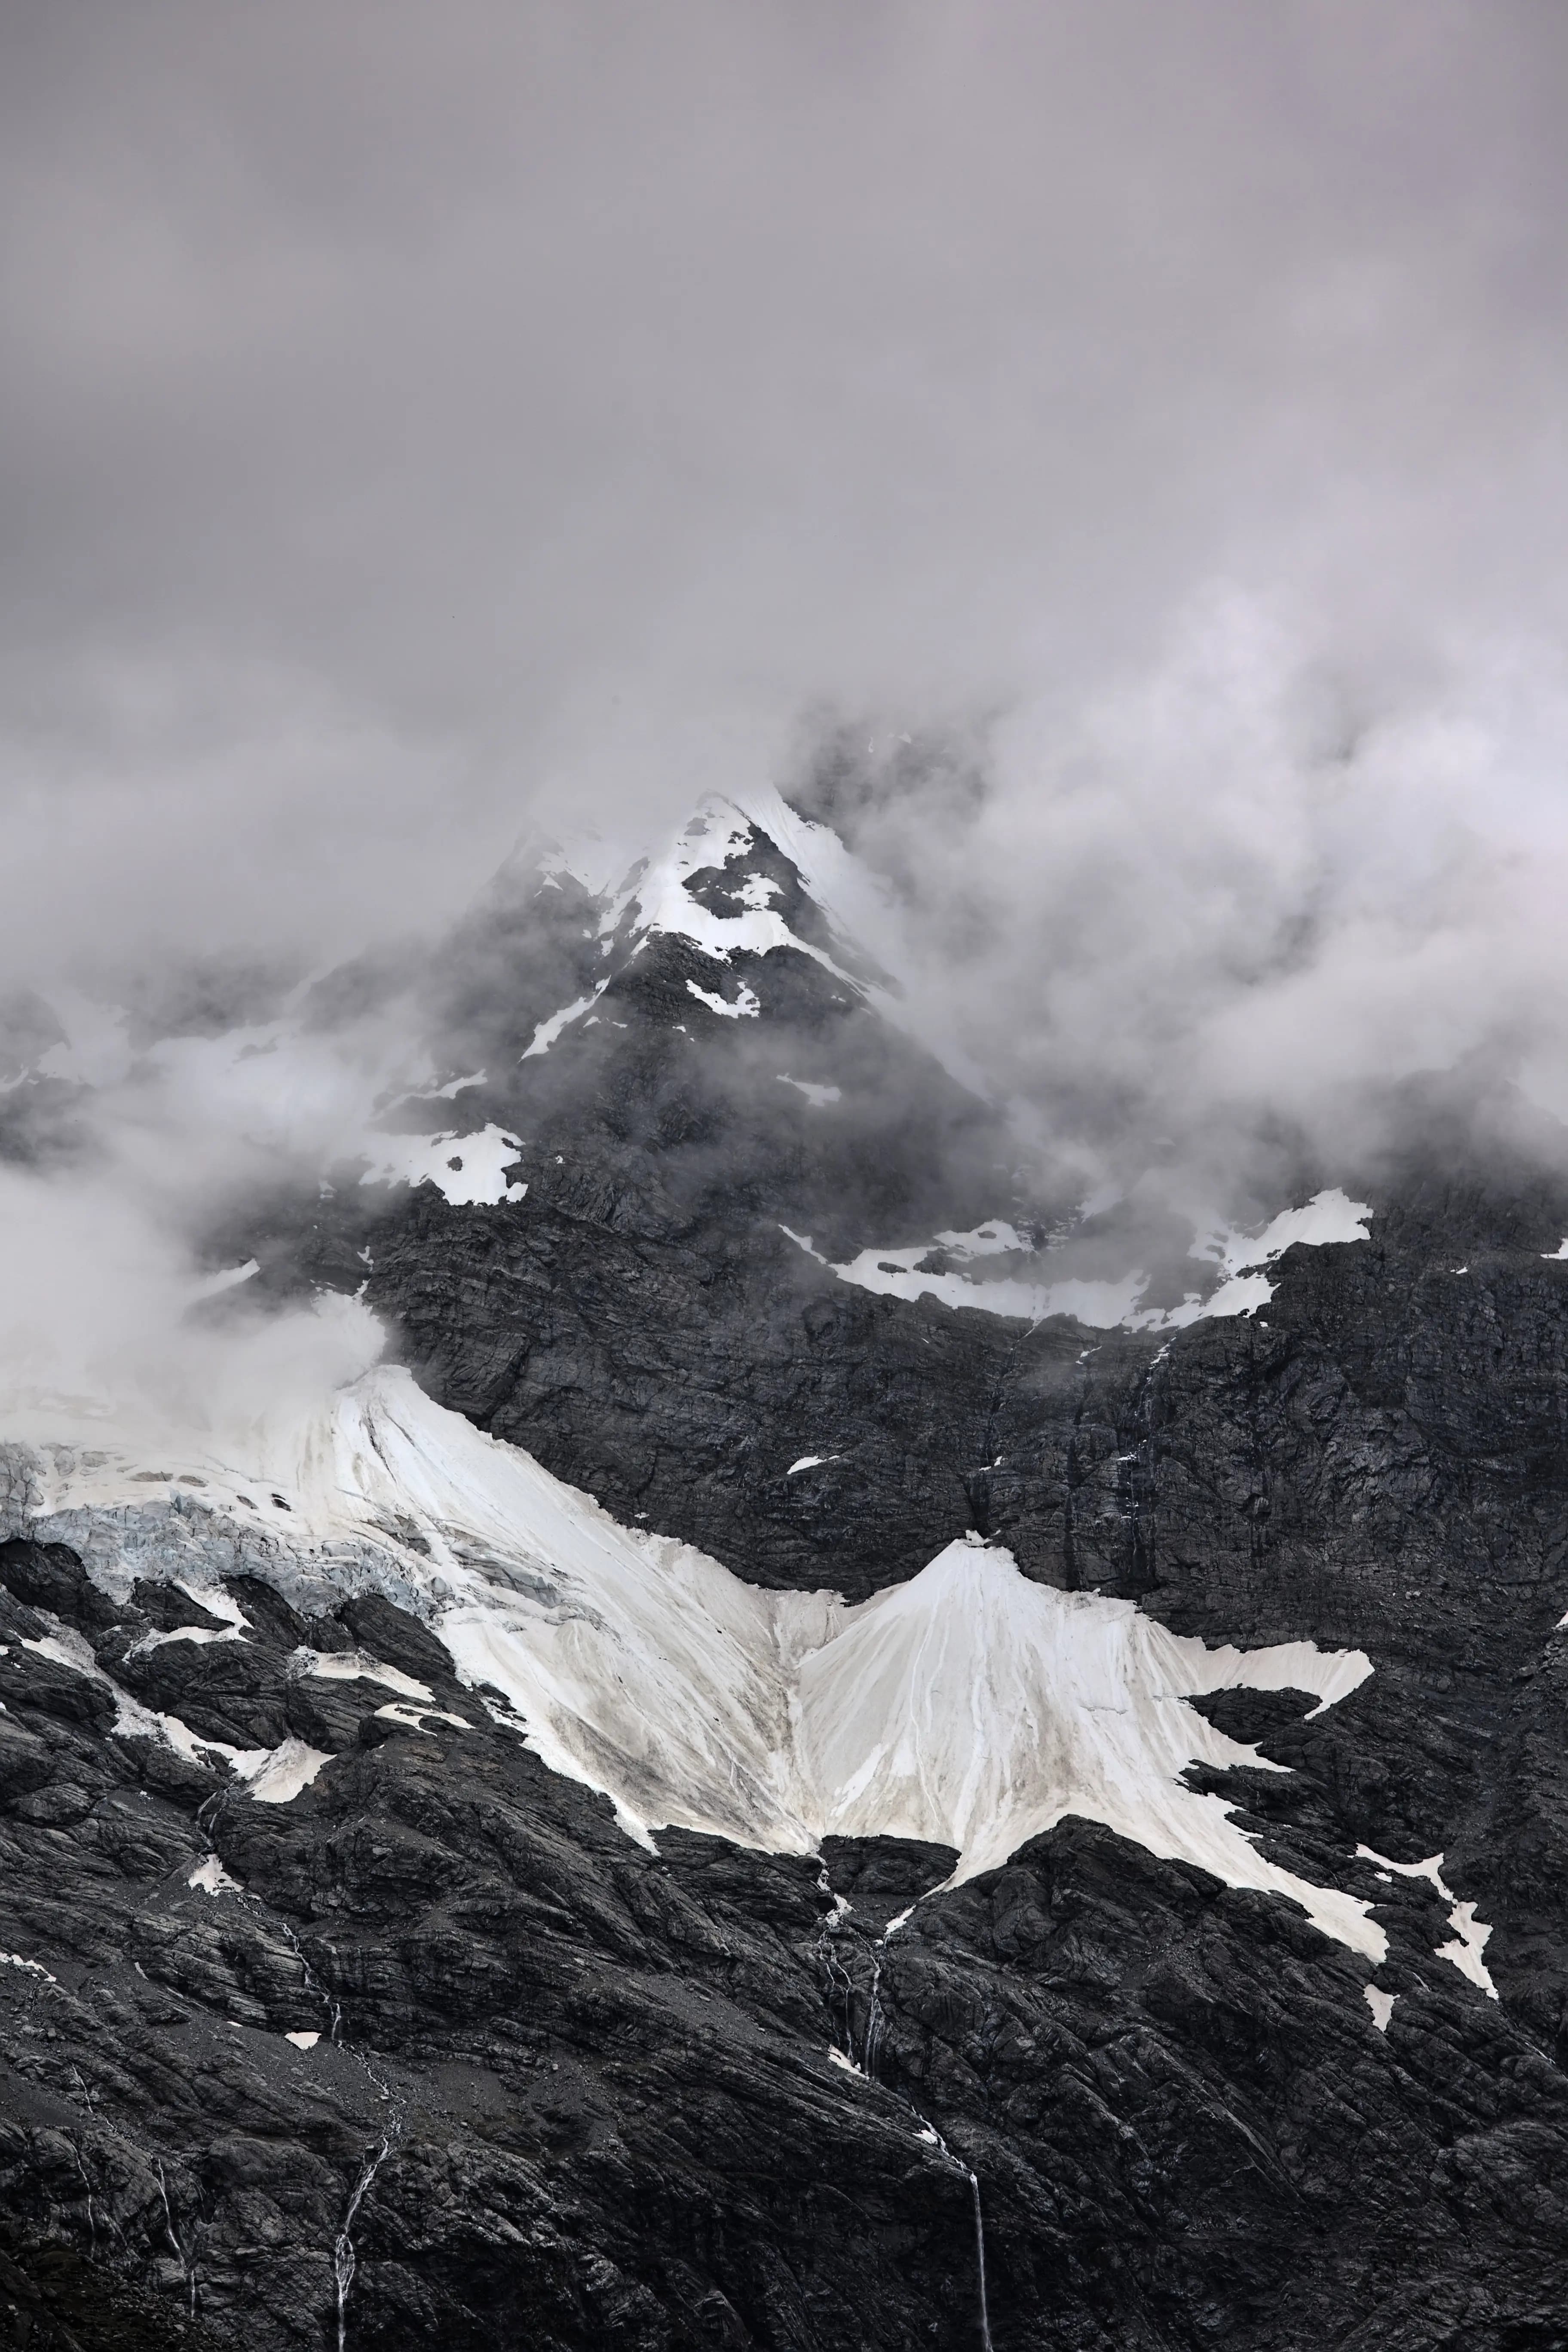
1108, 461
1222, 912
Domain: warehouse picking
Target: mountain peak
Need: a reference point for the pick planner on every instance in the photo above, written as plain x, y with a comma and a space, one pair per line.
727, 887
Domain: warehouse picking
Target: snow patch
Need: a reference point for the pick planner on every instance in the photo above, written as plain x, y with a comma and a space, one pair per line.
213, 1878
66, 1649
1469, 1933
229, 1277
273, 1775
895, 1272
27, 1967
1328, 1217
1243, 1294
546, 1034
1559, 1252
1103, 1306
302, 2041
287, 1769
1381, 2005
216, 1603
818, 1096
412, 1718
1469, 1941
358, 1665
745, 1003
985, 1241
200, 1635
469, 1170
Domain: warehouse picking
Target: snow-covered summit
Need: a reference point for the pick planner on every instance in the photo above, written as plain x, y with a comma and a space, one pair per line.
737, 882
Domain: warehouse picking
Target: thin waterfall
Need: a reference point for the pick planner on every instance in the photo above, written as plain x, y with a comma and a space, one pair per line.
873, 2045
313, 1985
979, 2256
839, 1982
929, 2132
183, 2253
343, 2263
841, 1987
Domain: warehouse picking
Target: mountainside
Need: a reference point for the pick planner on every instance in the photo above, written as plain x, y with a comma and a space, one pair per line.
794, 1746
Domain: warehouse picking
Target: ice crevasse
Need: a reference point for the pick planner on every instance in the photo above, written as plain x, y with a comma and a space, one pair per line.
969, 1706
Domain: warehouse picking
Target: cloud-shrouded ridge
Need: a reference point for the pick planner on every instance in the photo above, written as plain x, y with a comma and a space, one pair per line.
501, 414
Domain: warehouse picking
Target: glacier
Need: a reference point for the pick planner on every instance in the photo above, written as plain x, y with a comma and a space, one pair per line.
969, 1706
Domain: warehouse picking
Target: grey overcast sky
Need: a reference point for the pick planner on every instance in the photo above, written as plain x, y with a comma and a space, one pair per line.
409, 410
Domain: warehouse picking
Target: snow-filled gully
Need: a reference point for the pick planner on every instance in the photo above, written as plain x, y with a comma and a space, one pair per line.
969, 1706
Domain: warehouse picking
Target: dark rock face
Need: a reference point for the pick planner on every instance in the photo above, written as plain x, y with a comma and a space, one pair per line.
679, 1387
616, 2116
567, 2093
611, 2115
602, 2078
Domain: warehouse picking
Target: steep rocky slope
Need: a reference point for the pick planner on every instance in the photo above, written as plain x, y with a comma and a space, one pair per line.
548, 2085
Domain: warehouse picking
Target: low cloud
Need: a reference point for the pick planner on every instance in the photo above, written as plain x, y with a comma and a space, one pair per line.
103, 1337
513, 417
1238, 898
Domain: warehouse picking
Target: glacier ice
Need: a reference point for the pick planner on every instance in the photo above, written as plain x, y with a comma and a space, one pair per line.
970, 1706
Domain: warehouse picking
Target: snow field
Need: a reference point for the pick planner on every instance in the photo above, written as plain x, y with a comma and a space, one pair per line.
1103, 1306
468, 1168
970, 1706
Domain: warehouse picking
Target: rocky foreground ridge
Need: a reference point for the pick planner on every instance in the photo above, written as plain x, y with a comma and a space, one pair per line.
333, 2016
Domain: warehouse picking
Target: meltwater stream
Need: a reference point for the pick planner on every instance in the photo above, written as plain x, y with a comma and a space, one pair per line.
344, 2260
840, 1985
980, 2258
184, 2256
928, 2132
343, 2248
